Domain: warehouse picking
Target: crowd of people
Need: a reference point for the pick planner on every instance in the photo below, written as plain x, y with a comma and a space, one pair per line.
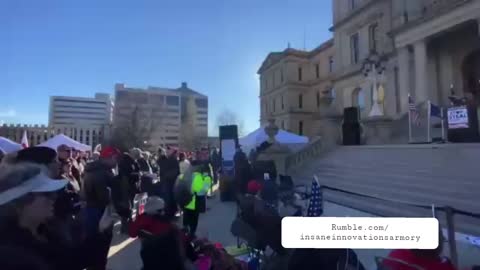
58, 207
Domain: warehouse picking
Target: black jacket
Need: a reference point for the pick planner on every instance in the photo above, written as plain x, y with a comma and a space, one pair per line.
50, 255
98, 177
169, 169
143, 165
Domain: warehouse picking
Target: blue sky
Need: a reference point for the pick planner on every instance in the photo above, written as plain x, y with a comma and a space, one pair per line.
78, 48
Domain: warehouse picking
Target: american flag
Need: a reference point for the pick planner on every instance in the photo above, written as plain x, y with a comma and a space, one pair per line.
315, 205
414, 115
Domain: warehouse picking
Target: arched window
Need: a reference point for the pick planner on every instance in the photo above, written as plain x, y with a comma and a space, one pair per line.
358, 98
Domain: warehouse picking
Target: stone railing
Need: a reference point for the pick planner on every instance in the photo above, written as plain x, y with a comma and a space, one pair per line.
432, 6
312, 150
425, 9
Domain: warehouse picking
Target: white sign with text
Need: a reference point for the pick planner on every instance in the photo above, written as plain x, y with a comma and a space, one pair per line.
457, 117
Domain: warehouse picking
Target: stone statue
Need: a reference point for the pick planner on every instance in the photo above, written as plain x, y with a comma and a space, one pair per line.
271, 130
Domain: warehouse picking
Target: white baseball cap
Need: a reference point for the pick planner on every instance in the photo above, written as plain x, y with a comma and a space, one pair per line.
38, 184
154, 204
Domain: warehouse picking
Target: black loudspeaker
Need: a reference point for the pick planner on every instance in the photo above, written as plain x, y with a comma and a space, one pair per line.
228, 133
227, 184
351, 115
351, 134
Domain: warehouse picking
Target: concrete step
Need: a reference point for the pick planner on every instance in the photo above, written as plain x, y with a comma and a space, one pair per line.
405, 195
408, 181
423, 187
463, 224
443, 175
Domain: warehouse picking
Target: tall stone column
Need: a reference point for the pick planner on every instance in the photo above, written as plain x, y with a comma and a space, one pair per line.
421, 71
403, 77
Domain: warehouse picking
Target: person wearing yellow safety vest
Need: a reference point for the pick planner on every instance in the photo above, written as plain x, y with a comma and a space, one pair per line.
199, 188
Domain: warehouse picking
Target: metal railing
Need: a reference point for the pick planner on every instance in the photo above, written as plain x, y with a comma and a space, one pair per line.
449, 211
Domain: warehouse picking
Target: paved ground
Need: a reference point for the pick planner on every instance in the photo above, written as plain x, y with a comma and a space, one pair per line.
124, 254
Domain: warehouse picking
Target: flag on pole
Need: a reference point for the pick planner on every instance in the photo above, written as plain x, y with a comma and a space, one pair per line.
414, 115
315, 205
24, 141
435, 111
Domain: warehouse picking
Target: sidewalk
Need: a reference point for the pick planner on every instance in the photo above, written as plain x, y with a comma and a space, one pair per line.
215, 224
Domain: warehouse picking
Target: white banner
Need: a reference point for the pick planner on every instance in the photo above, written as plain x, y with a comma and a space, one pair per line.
360, 233
458, 117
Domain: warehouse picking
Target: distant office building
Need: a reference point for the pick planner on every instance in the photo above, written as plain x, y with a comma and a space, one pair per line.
163, 116
194, 117
87, 120
36, 134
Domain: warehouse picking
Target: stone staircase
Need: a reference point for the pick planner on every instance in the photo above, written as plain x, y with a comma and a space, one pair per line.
443, 175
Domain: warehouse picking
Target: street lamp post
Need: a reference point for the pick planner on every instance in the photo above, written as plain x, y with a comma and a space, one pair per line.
373, 69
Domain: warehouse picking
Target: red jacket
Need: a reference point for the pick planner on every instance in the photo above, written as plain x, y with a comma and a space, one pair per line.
409, 257
151, 224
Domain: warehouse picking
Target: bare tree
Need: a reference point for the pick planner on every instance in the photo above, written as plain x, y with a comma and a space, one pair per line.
228, 117
134, 130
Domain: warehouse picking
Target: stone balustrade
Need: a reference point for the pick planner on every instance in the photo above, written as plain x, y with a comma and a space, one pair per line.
312, 150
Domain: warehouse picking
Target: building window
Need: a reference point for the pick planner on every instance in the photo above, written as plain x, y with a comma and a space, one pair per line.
283, 104
354, 50
283, 124
330, 64
353, 4
300, 128
300, 101
201, 103
318, 99
317, 70
266, 83
273, 104
281, 75
173, 100
274, 79
300, 74
373, 35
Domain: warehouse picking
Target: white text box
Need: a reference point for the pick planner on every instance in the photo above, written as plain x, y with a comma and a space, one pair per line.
360, 233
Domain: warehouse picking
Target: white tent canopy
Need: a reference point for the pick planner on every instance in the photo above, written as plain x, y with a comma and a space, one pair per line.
259, 136
60, 139
9, 146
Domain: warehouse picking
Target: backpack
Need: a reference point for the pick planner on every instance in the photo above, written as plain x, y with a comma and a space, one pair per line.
183, 189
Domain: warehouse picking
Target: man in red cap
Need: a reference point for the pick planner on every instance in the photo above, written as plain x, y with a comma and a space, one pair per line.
97, 181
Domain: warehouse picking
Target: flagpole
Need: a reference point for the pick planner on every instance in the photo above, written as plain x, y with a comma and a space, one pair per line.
428, 121
409, 121
443, 127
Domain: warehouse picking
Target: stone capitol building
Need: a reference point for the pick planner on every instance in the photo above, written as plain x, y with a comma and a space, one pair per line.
381, 52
